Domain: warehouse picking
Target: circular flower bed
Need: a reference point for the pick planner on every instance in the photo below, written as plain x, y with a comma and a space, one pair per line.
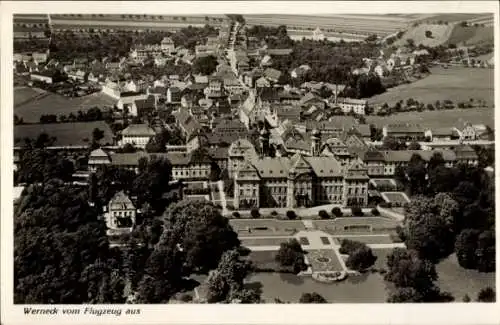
329, 277
323, 259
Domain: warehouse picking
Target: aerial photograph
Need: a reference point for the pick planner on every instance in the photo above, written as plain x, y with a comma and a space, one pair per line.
253, 159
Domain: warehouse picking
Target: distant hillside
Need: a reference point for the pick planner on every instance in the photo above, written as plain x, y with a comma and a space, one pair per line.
448, 34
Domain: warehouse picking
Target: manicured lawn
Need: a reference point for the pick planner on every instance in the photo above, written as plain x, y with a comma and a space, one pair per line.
265, 227
381, 253
379, 239
263, 241
459, 281
263, 259
387, 183
456, 83
337, 226
56, 104
367, 288
395, 197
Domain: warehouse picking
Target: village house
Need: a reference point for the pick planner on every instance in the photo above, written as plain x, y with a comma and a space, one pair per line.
127, 102
272, 75
193, 166
205, 50
121, 215
137, 135
404, 131
167, 46
352, 105
187, 123
141, 52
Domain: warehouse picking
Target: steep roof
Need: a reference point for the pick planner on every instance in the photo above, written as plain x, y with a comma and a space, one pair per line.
138, 130
120, 201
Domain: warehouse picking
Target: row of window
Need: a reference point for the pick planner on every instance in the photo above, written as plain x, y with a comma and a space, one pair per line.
190, 173
122, 213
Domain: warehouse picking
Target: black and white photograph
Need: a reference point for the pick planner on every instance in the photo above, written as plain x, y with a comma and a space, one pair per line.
251, 158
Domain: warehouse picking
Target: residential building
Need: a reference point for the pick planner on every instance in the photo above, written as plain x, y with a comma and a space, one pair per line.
41, 76
239, 152
466, 155
121, 215
167, 46
137, 135
404, 131
127, 102
356, 106
193, 166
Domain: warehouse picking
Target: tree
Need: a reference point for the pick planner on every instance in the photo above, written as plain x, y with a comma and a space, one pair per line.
205, 65
416, 173
201, 231
361, 259
61, 250
466, 298
291, 215
291, 255
428, 34
152, 182
414, 145
414, 278
429, 226
391, 143
312, 298
337, 212
323, 214
465, 248
486, 295
97, 135
226, 282
254, 212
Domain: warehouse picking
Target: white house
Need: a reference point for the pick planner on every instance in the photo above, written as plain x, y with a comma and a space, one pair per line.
128, 100
357, 106
167, 45
121, 215
137, 135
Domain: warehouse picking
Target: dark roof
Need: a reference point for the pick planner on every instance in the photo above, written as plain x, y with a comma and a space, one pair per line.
219, 153
148, 103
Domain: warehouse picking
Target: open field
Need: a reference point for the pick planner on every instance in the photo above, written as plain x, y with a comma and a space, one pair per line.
355, 24
449, 34
24, 95
456, 83
438, 119
79, 133
31, 110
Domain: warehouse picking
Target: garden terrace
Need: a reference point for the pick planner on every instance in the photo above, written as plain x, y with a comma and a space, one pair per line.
265, 227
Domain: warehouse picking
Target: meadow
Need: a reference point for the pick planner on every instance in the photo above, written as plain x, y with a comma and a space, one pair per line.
455, 83
30, 107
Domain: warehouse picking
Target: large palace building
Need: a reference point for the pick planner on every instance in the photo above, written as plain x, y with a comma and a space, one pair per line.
299, 181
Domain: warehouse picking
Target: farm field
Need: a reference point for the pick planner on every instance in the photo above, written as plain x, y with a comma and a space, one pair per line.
31, 110
25, 94
357, 24
438, 119
457, 84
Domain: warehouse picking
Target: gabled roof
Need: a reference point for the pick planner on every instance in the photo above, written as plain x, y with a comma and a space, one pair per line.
299, 165
138, 130
272, 73
120, 201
